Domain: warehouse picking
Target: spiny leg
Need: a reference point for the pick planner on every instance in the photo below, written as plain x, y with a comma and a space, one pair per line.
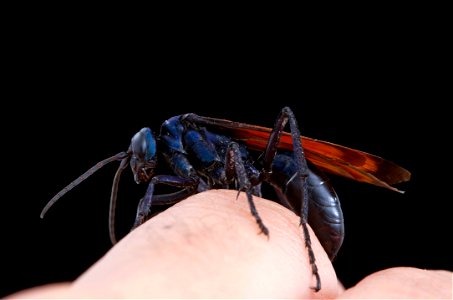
161, 199
234, 168
144, 207
271, 149
285, 116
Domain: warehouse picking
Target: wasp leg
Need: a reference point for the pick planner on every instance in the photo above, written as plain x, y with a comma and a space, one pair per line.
164, 199
172, 198
325, 217
285, 116
234, 168
144, 207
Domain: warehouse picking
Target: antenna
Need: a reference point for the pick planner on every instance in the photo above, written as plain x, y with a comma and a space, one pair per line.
81, 178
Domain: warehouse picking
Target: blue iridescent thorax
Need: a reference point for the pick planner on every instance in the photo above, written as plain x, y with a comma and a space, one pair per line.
171, 134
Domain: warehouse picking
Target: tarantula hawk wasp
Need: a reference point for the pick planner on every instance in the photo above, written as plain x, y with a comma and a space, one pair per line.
206, 153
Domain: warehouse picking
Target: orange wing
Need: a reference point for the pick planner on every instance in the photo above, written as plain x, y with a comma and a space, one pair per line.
329, 157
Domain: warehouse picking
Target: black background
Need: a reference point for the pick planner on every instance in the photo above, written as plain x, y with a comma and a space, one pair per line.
76, 96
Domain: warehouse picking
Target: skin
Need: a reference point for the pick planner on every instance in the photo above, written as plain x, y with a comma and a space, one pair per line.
208, 246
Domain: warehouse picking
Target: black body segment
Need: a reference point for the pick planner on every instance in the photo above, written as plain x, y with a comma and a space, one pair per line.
325, 215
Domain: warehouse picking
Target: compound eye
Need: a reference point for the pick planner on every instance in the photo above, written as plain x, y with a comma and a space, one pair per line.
143, 145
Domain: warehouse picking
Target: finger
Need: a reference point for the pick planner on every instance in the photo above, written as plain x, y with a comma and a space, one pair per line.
403, 283
209, 246
50, 291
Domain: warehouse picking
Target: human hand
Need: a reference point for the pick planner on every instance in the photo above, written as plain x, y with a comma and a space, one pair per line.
208, 246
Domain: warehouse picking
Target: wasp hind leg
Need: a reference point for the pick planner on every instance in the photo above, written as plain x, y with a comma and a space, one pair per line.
287, 116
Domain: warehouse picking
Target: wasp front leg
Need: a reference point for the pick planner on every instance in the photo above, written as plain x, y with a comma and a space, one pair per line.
189, 186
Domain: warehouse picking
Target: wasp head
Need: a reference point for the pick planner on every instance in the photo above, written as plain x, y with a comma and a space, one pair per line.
143, 156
